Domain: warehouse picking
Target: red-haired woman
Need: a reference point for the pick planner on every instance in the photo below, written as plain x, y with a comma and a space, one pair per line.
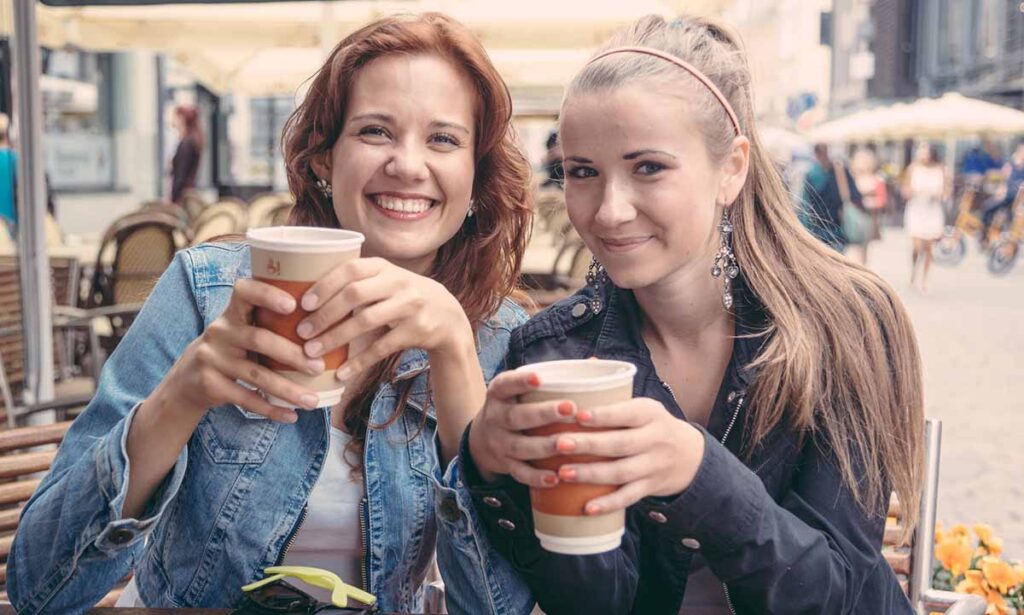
178, 471
185, 163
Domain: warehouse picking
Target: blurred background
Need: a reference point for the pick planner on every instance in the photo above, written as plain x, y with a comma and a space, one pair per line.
121, 88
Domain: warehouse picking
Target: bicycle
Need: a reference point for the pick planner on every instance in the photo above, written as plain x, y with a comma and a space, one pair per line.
1005, 250
951, 248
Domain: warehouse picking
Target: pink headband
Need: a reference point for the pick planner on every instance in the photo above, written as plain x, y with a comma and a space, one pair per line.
690, 68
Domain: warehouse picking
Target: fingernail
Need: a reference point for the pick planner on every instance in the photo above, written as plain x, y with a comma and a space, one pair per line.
313, 349
316, 366
289, 416
549, 480
309, 302
533, 380
565, 408
344, 373
566, 473
593, 509
287, 304
565, 445
584, 415
309, 401
305, 329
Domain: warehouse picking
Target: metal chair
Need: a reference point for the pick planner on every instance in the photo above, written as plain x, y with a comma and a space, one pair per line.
913, 562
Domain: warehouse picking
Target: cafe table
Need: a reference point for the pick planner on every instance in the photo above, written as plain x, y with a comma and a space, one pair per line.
9, 610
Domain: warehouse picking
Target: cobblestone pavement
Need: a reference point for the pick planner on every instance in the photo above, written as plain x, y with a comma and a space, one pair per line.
970, 327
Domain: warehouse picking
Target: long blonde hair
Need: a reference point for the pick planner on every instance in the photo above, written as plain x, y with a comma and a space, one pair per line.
839, 359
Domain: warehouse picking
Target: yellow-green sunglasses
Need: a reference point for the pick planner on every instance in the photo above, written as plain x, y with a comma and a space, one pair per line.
274, 595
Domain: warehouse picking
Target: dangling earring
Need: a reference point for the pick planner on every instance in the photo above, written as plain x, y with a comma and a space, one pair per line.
725, 260
596, 278
472, 209
324, 187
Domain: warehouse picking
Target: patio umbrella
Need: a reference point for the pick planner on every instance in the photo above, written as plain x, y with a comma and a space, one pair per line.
952, 116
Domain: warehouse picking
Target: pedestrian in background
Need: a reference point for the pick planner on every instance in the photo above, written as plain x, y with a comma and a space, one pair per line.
924, 187
874, 196
185, 163
1013, 172
827, 187
8, 176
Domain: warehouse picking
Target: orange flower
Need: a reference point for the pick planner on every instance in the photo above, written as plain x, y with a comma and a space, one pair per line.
939, 534
999, 574
960, 530
991, 544
973, 583
954, 554
996, 604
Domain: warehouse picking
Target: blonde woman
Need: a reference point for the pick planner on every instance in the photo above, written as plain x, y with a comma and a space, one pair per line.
778, 393
864, 168
925, 187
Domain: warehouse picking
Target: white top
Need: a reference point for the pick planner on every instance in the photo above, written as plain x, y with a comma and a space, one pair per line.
329, 537
928, 182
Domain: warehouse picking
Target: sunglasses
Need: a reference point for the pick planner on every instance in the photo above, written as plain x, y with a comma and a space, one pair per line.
275, 596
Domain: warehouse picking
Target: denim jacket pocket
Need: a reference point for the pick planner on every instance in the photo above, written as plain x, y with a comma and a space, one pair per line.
232, 435
421, 435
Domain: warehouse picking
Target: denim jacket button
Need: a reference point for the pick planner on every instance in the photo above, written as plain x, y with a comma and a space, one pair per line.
506, 525
450, 510
691, 543
579, 310
492, 502
121, 536
657, 517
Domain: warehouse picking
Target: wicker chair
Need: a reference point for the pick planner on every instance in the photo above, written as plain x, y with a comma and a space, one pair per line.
143, 245
222, 218
270, 209
64, 276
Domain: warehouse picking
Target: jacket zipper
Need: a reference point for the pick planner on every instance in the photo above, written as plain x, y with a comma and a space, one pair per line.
291, 536
728, 430
725, 436
363, 536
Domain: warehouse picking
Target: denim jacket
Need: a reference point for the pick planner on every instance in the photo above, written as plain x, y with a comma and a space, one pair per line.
777, 527
237, 492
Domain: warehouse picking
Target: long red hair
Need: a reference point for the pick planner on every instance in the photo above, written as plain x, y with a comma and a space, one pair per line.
480, 264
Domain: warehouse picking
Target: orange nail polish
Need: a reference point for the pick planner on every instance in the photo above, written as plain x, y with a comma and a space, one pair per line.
584, 415
593, 509
565, 408
565, 445
566, 473
549, 480
533, 380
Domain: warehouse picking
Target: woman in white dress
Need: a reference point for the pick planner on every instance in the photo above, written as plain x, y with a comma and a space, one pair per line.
925, 187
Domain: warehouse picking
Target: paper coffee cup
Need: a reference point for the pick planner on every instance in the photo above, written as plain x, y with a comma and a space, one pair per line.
293, 258
558, 512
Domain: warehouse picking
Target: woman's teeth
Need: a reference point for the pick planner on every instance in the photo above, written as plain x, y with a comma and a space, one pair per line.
410, 206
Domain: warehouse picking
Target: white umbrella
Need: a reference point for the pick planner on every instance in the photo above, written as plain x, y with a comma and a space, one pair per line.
952, 116
271, 48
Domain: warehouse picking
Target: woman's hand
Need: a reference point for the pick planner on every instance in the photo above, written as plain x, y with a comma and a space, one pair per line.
496, 443
207, 373
655, 454
401, 309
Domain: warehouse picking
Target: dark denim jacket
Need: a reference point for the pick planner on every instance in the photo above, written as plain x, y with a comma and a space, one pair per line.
777, 527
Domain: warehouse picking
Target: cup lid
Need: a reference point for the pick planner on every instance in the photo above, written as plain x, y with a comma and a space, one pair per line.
304, 239
578, 375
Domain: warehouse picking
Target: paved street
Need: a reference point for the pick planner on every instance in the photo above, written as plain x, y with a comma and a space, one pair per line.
970, 328
971, 332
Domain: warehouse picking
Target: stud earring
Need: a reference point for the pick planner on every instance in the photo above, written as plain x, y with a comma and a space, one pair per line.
324, 187
725, 260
